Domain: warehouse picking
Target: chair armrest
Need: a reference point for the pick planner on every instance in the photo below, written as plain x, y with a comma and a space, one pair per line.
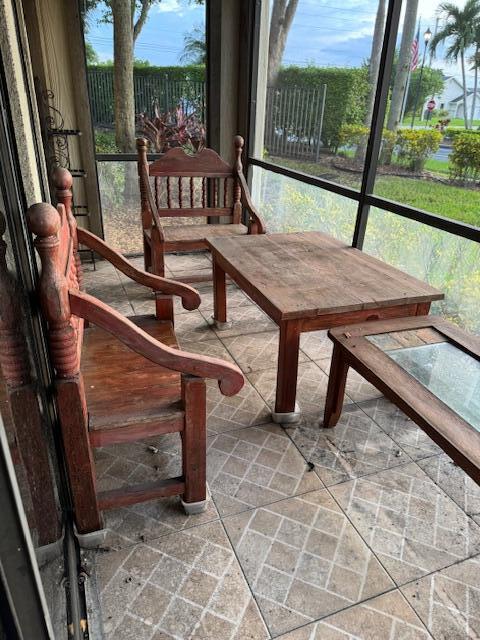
190, 296
230, 378
248, 204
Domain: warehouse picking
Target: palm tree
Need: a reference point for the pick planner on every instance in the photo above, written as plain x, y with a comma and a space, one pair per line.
194, 46
403, 66
458, 33
475, 62
373, 69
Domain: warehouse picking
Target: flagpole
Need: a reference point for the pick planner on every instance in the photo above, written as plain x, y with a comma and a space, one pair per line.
405, 95
407, 86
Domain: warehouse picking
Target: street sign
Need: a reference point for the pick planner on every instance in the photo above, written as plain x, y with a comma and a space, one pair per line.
431, 104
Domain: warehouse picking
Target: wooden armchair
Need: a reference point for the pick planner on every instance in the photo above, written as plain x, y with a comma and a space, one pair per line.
119, 380
191, 186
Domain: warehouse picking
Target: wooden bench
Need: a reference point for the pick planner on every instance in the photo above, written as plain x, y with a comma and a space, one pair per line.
192, 186
118, 380
426, 366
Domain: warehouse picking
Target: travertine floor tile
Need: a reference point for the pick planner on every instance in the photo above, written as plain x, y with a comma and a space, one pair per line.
400, 428
245, 319
184, 585
192, 326
152, 459
304, 560
357, 388
448, 601
235, 298
225, 413
316, 345
355, 447
455, 482
213, 348
311, 387
256, 351
413, 526
255, 466
188, 262
387, 617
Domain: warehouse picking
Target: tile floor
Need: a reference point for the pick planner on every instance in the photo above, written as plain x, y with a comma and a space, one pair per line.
366, 531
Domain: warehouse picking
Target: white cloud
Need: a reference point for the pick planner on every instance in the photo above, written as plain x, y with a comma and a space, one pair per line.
175, 6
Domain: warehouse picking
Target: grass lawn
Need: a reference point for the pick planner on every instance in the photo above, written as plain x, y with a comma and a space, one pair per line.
437, 166
443, 199
454, 122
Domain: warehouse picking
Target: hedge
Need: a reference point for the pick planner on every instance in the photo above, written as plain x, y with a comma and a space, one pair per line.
452, 133
192, 72
347, 92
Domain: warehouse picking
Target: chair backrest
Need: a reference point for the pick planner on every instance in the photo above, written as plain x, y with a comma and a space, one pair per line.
190, 185
56, 242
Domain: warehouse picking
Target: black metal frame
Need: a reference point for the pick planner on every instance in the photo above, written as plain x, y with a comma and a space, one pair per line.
365, 196
23, 610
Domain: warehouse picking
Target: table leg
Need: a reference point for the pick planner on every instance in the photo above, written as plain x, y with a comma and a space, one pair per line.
219, 296
286, 409
336, 388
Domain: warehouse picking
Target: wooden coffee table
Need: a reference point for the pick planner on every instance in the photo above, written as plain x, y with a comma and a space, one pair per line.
310, 281
428, 367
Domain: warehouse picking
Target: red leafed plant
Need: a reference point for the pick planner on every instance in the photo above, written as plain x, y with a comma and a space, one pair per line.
171, 129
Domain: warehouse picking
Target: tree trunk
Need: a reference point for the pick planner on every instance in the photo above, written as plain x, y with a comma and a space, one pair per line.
283, 12
464, 82
475, 86
123, 75
403, 65
373, 72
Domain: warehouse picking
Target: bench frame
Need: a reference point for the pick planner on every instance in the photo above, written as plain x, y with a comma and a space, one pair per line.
67, 310
224, 196
446, 428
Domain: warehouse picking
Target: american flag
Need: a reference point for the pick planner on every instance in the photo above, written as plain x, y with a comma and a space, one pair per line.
414, 51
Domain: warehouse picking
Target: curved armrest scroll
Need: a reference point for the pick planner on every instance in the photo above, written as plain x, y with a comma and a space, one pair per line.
247, 202
190, 296
230, 378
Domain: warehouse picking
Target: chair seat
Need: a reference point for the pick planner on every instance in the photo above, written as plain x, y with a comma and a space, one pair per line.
123, 388
199, 232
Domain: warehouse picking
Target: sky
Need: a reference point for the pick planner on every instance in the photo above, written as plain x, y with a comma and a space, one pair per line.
322, 32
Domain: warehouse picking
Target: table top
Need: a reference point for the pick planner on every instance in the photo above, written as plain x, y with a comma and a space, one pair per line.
309, 274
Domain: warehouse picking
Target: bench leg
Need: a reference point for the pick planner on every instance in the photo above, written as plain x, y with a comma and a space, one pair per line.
78, 454
147, 255
163, 303
286, 409
194, 444
157, 254
219, 296
336, 388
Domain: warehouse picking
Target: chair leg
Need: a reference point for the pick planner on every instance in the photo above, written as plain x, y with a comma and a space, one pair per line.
157, 254
194, 444
78, 453
147, 255
336, 388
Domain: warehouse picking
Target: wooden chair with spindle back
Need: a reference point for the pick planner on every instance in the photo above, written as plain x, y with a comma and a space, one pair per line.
192, 186
119, 380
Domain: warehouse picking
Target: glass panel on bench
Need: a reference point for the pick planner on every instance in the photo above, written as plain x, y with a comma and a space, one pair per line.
445, 370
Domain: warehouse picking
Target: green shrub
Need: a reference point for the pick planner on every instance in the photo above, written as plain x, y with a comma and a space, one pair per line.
105, 142
465, 157
416, 145
355, 134
452, 133
346, 96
